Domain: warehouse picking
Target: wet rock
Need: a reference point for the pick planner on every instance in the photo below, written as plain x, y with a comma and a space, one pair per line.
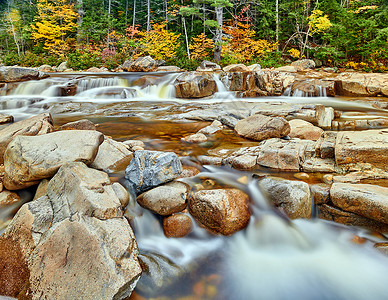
177, 225
313, 88
315, 164
168, 69
335, 214
254, 67
236, 68
188, 171
363, 199
13, 74
320, 193
37, 125
149, 169
245, 162
62, 67
194, 85
165, 199
29, 159
304, 130
212, 128
208, 66
8, 197
224, 211
195, 138
361, 84
112, 156
290, 195
356, 150
355, 177
259, 127
142, 64
304, 64
210, 160
78, 125
4, 118
63, 248
134, 145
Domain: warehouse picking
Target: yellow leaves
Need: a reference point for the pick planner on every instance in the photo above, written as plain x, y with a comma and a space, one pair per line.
55, 22
295, 53
365, 8
318, 21
201, 46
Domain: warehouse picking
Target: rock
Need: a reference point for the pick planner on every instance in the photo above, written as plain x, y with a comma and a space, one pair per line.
14, 74
361, 84
356, 150
194, 85
41, 189
254, 68
4, 118
165, 199
304, 130
212, 128
73, 243
45, 68
28, 159
177, 225
326, 145
169, 69
142, 64
370, 201
335, 214
245, 162
149, 169
304, 64
292, 196
188, 171
121, 193
210, 160
134, 143
112, 156
195, 138
320, 193
8, 197
290, 69
62, 67
315, 164
259, 127
224, 211
313, 88
96, 70
208, 66
78, 125
37, 125
236, 68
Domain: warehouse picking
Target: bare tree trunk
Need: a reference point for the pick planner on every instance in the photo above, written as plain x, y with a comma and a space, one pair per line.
134, 14
80, 11
166, 8
187, 40
218, 36
277, 25
109, 10
13, 30
126, 13
148, 16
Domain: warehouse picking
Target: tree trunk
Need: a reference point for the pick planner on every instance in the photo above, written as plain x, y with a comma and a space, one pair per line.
277, 25
218, 36
80, 11
13, 30
148, 16
109, 9
187, 41
134, 14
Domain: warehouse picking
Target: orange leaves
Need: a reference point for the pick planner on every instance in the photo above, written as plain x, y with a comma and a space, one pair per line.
201, 46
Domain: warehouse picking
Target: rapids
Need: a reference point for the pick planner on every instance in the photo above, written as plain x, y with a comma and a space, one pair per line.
273, 258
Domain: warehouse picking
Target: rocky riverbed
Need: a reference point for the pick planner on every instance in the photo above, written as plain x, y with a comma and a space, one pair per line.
89, 158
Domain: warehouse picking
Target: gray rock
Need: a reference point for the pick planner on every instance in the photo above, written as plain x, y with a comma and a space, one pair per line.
165, 199
37, 125
149, 169
292, 196
29, 159
142, 64
62, 67
208, 66
304, 64
78, 125
259, 127
194, 85
112, 156
13, 74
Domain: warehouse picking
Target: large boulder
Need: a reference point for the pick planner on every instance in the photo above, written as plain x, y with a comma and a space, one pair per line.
37, 125
259, 127
13, 74
72, 243
149, 169
112, 156
304, 64
236, 68
359, 149
142, 64
28, 159
224, 211
292, 196
366, 200
165, 199
304, 130
208, 66
195, 85
362, 84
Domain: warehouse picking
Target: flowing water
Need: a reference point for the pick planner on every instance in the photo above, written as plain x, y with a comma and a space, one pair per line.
273, 258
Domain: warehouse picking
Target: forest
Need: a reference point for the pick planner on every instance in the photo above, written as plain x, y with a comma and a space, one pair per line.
104, 33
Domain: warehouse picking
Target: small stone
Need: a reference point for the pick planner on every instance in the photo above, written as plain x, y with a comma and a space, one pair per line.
327, 178
304, 130
177, 225
8, 197
302, 176
320, 193
78, 125
188, 171
195, 138
134, 143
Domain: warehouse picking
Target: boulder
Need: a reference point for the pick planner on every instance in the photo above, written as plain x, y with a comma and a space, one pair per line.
37, 125
142, 64
361, 84
73, 243
112, 156
224, 211
304, 130
45, 68
370, 201
259, 127
290, 195
288, 69
83, 124
169, 69
28, 159
177, 225
149, 169
236, 68
254, 68
13, 74
4, 119
208, 66
212, 128
194, 85
62, 67
356, 150
313, 88
195, 138
304, 64
320, 193
165, 199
